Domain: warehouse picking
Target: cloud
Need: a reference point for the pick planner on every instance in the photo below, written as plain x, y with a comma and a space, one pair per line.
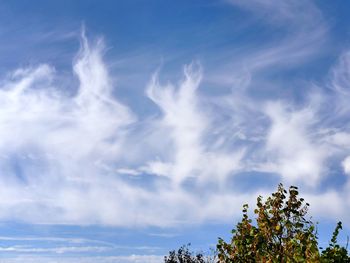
77, 155
54, 250
190, 129
341, 74
285, 11
71, 158
346, 165
53, 141
102, 259
182, 118
298, 158
56, 240
300, 33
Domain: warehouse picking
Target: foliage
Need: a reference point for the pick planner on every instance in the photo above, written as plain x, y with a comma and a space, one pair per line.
335, 253
281, 233
184, 255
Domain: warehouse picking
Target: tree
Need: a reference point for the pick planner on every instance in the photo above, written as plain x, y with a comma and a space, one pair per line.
281, 233
335, 253
184, 255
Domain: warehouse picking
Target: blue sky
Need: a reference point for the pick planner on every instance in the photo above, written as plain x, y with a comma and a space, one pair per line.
130, 128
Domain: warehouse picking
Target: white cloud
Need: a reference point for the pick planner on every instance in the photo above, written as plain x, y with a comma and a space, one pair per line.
340, 74
183, 120
102, 259
289, 12
55, 250
346, 165
56, 240
189, 127
85, 158
64, 135
297, 157
340, 83
74, 142
302, 33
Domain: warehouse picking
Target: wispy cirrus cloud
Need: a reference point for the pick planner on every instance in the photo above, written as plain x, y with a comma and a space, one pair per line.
189, 127
81, 156
300, 33
103, 259
71, 164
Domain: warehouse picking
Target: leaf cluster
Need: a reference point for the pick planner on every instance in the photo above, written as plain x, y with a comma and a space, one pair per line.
281, 233
184, 255
334, 253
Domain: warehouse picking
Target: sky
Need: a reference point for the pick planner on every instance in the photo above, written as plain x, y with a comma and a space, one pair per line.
130, 128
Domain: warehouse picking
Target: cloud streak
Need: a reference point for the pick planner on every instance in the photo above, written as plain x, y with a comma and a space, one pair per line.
78, 155
103, 259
